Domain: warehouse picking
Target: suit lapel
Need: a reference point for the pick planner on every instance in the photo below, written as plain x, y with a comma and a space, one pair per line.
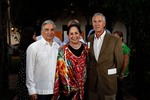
105, 43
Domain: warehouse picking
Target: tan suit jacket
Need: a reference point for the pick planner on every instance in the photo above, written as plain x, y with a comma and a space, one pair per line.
101, 76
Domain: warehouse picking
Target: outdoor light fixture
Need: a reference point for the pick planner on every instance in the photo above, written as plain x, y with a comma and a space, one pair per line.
12, 29
71, 4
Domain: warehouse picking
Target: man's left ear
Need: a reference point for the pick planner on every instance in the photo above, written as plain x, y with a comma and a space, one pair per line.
105, 24
41, 32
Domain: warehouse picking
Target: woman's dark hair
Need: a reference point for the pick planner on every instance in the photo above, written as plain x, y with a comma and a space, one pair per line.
26, 38
74, 24
120, 34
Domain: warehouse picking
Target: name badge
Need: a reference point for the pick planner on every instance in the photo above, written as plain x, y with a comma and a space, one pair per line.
88, 45
112, 71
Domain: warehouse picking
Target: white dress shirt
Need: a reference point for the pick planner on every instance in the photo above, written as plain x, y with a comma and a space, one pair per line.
41, 66
98, 44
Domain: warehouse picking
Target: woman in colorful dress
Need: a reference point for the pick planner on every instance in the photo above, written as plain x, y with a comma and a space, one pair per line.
71, 71
27, 37
125, 68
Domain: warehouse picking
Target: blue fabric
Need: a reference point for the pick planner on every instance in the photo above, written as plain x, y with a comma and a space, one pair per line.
44, 97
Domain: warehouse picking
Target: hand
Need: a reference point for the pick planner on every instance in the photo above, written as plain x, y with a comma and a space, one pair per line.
120, 78
33, 97
67, 94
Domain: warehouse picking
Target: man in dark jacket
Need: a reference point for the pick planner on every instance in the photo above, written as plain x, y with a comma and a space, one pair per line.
106, 58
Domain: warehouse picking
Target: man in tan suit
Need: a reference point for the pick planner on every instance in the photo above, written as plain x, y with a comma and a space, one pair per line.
106, 59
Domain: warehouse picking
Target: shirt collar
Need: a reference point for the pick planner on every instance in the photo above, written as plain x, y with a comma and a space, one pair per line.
101, 37
45, 42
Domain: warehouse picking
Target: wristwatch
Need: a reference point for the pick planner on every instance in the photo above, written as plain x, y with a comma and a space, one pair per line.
121, 74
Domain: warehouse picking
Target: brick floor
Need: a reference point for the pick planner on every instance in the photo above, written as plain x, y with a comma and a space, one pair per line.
13, 81
13, 86
127, 96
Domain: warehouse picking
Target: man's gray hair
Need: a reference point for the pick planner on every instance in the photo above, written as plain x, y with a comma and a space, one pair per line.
47, 22
99, 14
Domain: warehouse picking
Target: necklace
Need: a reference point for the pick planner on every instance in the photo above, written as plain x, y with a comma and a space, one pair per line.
75, 46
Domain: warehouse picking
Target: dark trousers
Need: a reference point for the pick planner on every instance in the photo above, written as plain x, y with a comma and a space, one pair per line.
44, 97
63, 97
119, 95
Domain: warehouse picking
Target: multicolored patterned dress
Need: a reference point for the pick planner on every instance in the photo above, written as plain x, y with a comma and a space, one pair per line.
71, 73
